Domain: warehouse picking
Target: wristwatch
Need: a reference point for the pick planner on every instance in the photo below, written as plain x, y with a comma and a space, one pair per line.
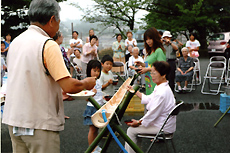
139, 122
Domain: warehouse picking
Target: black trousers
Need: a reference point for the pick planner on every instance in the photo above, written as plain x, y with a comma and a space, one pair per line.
127, 57
171, 76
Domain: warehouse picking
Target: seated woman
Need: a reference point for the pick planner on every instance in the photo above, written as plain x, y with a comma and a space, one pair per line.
158, 104
184, 70
132, 67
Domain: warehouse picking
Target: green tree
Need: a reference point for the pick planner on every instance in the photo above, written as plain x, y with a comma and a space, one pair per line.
113, 13
14, 17
185, 16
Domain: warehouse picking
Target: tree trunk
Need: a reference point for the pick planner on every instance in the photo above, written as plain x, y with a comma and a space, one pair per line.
202, 37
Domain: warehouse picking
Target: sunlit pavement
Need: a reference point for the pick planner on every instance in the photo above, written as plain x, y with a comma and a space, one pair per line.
195, 132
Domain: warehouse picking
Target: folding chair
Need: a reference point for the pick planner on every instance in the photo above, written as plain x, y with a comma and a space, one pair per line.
227, 72
78, 75
197, 69
161, 135
214, 74
120, 64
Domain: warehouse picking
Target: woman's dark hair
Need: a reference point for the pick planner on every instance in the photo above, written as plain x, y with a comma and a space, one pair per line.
2, 42
162, 67
118, 35
75, 32
153, 34
58, 34
128, 33
92, 65
91, 37
106, 58
192, 34
160, 32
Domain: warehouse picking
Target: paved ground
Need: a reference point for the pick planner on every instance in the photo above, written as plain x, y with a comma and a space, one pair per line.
195, 132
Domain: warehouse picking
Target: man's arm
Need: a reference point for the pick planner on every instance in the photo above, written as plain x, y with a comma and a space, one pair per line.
71, 85
55, 64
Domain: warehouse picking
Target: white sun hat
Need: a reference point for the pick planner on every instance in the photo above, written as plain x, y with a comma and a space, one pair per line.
166, 34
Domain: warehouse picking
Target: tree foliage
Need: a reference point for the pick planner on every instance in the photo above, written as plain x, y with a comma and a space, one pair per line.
113, 13
14, 17
185, 16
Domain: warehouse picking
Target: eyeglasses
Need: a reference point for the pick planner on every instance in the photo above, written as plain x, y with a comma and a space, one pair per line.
153, 73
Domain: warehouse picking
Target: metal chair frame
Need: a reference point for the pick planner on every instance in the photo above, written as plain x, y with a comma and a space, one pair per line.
217, 64
197, 70
161, 134
120, 64
227, 73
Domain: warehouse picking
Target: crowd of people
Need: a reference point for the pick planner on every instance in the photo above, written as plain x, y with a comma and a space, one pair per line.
45, 78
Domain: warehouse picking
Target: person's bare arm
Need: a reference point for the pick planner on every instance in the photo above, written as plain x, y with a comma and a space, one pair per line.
107, 84
174, 46
71, 85
79, 46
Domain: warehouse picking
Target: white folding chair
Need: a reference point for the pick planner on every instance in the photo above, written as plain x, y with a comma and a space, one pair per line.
78, 75
197, 70
120, 64
227, 79
214, 75
161, 134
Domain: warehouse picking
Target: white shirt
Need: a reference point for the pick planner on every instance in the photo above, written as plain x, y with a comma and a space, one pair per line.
99, 95
73, 41
104, 78
159, 104
132, 60
133, 41
193, 44
77, 61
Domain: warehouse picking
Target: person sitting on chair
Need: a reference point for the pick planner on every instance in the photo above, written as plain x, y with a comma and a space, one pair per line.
184, 70
159, 104
132, 67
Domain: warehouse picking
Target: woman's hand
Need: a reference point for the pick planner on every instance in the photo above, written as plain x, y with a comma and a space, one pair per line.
138, 63
144, 70
135, 123
130, 89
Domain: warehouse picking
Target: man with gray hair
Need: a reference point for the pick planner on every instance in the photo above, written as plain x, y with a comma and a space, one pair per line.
34, 109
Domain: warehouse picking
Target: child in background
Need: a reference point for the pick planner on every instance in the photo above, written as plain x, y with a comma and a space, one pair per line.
3, 49
77, 60
107, 76
93, 70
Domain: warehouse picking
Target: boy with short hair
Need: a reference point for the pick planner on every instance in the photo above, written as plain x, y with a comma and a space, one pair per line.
106, 77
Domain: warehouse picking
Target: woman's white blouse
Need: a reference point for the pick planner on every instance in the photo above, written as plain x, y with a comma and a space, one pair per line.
159, 104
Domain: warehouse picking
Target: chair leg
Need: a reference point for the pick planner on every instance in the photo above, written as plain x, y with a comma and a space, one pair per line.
154, 140
165, 142
173, 146
139, 141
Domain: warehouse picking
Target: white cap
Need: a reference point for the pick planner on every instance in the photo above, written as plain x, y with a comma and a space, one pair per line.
166, 34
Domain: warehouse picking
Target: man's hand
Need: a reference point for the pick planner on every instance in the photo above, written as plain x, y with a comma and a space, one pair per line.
89, 83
